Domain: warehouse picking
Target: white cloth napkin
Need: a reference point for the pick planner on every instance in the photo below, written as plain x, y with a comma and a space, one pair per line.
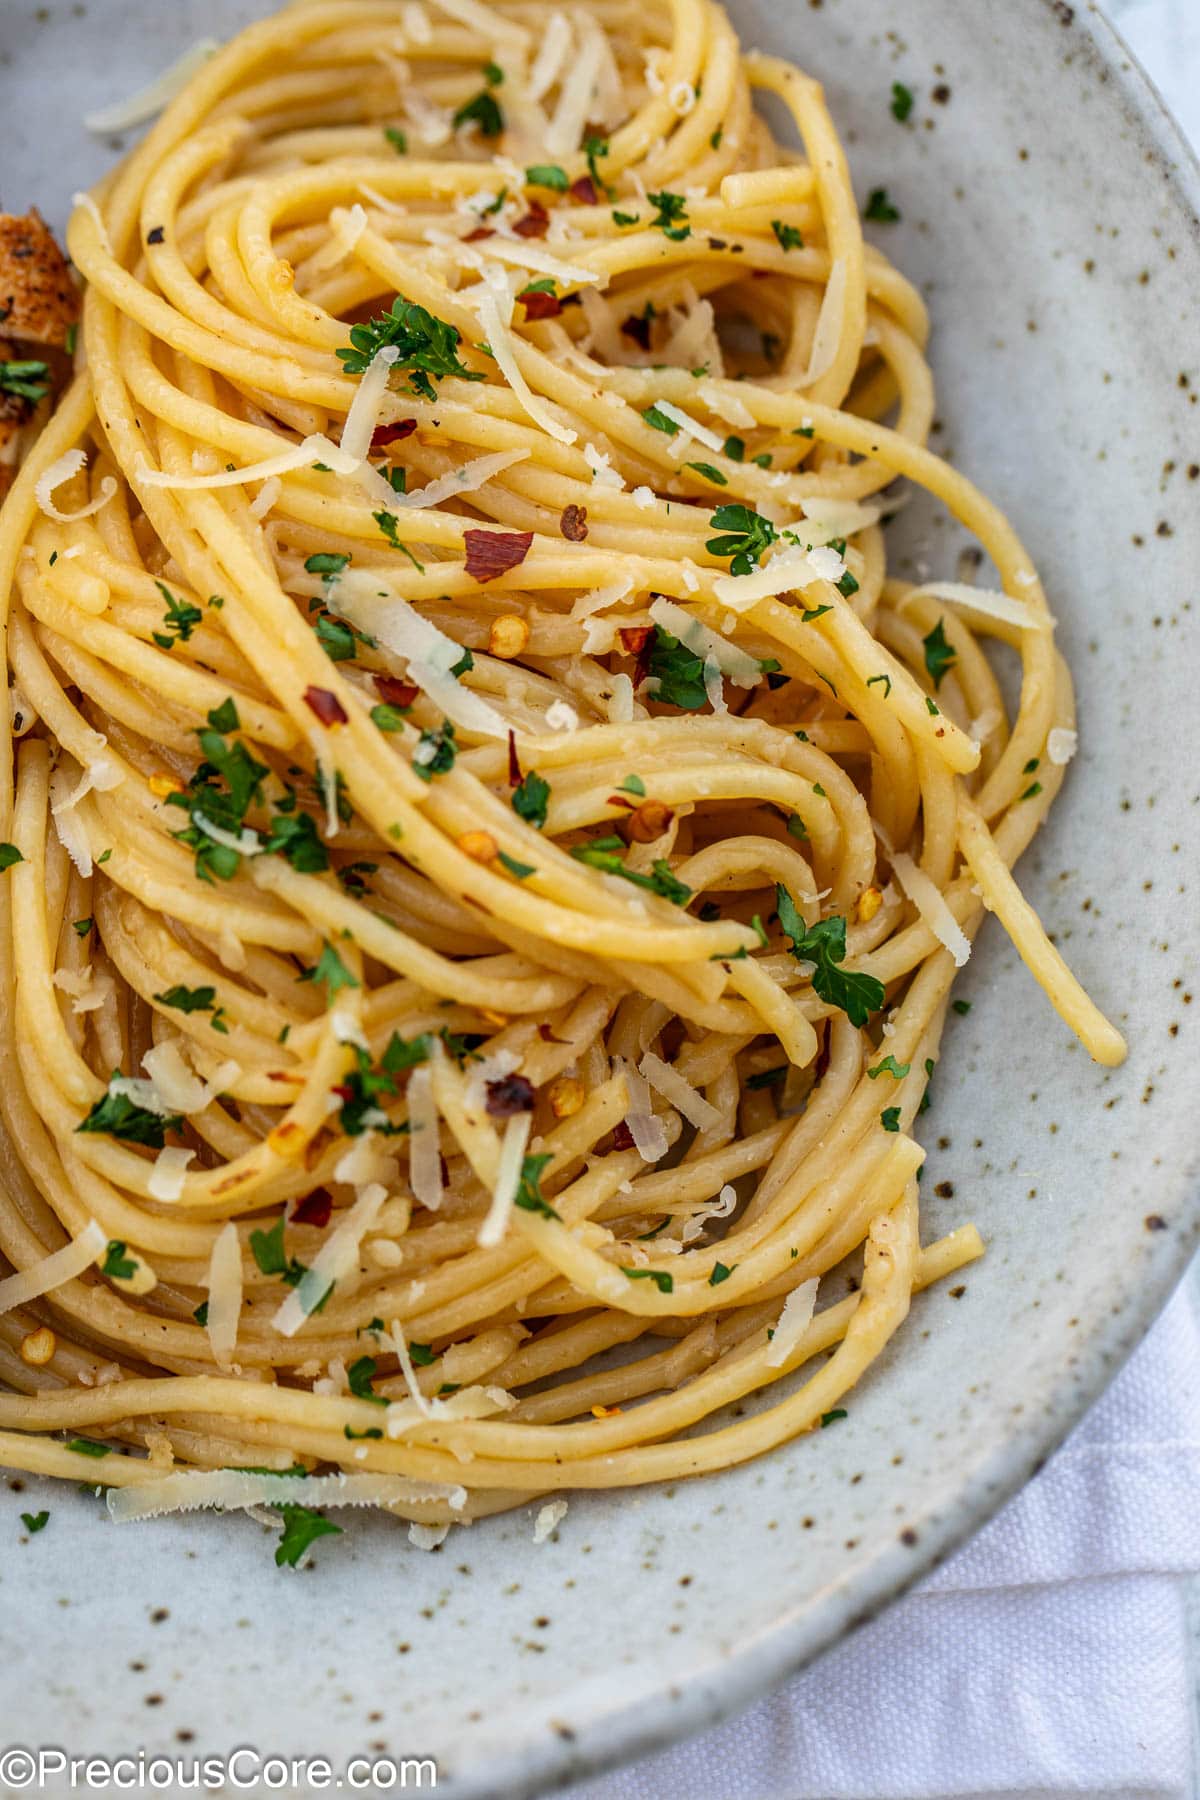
1048, 1657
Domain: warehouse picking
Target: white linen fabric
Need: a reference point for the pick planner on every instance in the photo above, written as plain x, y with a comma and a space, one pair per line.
1048, 1657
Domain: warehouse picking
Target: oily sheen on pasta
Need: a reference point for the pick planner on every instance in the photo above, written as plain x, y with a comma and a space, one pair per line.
490, 843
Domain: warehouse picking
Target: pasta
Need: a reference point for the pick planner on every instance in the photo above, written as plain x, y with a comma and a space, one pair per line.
489, 844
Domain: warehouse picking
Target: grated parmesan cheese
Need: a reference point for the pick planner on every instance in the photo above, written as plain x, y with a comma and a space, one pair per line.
424, 1149
66, 468
550, 1515
53, 1270
702, 434
234, 1489
224, 1294
794, 1321
930, 902
167, 1175
678, 1090
987, 602
741, 668
508, 1176
1061, 745
334, 1261
503, 347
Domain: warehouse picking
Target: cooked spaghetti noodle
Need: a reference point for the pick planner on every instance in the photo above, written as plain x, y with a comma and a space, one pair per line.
490, 843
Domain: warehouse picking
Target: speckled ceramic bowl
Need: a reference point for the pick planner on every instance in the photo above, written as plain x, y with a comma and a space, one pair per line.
1049, 213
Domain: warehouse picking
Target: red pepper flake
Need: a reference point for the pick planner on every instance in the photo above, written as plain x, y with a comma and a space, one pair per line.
637, 327
584, 190
477, 236
535, 223
621, 800
514, 763
492, 553
391, 434
509, 1095
573, 523
343, 1092
622, 1137
316, 1209
400, 694
540, 306
326, 706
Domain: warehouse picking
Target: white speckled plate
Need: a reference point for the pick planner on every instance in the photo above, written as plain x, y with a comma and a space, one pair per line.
1049, 212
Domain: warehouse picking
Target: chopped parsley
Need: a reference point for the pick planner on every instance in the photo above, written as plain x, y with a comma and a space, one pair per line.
748, 536
671, 216
889, 1118
397, 139
35, 1522
428, 346
118, 1116
484, 111
678, 672
386, 522
360, 1375
295, 836
902, 101
301, 1529
530, 798
117, 1264
226, 784
789, 238
879, 209
27, 380
81, 927
735, 449
660, 421
330, 969
336, 638
824, 945
834, 1414
872, 679
87, 1447
435, 752
961, 1007
664, 1282
548, 175
519, 870
327, 563
889, 1066
720, 1273
529, 1189
179, 621
606, 854
939, 654
9, 856
709, 473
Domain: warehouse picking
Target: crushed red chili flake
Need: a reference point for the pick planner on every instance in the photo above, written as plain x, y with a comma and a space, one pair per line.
637, 327
535, 223
327, 707
621, 800
480, 232
509, 1095
540, 306
492, 553
391, 434
514, 763
401, 694
622, 1137
316, 1209
584, 190
634, 638
573, 523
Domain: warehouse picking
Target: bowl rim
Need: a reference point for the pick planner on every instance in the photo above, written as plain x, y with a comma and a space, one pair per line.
733, 1678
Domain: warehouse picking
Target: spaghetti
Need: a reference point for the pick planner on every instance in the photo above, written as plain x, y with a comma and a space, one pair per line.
490, 845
